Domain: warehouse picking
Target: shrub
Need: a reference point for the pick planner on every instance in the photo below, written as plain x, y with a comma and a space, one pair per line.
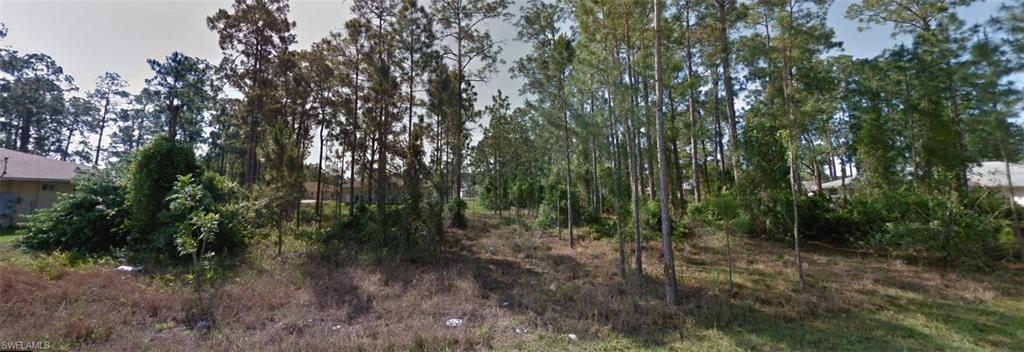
946, 227
433, 236
455, 211
90, 219
720, 211
553, 208
651, 218
153, 174
196, 225
238, 212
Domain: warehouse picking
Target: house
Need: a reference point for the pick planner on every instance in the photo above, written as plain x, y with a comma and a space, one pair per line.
327, 191
332, 191
992, 175
29, 182
838, 186
987, 174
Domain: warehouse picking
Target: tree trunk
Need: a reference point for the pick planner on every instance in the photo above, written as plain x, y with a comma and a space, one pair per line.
103, 126
25, 132
959, 126
730, 104
172, 122
320, 175
634, 170
676, 162
568, 169
617, 165
691, 102
663, 191
794, 177
67, 146
1012, 201
719, 146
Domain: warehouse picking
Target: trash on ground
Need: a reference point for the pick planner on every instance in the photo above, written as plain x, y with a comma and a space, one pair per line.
504, 304
204, 325
128, 269
453, 322
573, 337
520, 330
336, 327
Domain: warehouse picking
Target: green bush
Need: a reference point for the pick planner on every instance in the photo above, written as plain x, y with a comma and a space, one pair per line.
961, 230
433, 235
455, 211
90, 219
942, 227
152, 176
651, 218
722, 211
236, 215
552, 210
237, 212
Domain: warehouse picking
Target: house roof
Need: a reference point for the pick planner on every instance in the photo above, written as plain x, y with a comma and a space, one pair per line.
993, 174
984, 174
838, 183
31, 167
310, 186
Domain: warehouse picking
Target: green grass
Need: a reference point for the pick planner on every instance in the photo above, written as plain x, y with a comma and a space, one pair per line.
8, 250
473, 206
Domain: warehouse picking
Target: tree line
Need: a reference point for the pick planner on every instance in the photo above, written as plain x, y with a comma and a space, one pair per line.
645, 110
359, 94
638, 117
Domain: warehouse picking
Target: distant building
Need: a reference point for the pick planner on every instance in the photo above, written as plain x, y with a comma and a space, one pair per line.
987, 174
332, 192
31, 182
992, 175
328, 192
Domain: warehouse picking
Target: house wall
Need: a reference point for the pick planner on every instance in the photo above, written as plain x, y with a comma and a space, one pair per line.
29, 196
1018, 194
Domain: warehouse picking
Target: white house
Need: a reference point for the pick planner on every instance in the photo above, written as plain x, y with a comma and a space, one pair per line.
987, 174
992, 174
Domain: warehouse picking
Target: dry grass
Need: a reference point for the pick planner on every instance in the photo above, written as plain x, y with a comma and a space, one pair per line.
498, 278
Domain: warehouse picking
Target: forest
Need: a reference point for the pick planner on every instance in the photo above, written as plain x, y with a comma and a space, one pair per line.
670, 175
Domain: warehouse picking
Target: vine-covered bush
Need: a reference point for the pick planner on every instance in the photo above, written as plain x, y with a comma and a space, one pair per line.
455, 211
90, 219
111, 209
152, 175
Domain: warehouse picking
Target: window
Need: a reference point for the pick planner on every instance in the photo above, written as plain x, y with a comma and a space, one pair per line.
49, 187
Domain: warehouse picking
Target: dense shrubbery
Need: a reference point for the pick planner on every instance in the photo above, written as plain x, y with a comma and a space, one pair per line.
128, 207
954, 229
455, 211
721, 211
552, 210
492, 198
90, 219
947, 228
393, 235
236, 211
153, 173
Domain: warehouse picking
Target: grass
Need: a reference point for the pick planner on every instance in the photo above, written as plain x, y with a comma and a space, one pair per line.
8, 238
499, 277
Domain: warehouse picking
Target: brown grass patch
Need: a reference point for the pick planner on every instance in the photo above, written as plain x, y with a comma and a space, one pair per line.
499, 278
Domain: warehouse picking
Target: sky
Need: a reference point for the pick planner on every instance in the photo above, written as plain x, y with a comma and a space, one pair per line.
88, 38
